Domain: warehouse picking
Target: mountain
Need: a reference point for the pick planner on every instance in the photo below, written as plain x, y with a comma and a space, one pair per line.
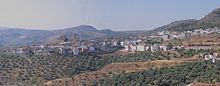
209, 21
173, 25
107, 31
84, 32
10, 36
87, 32
13, 36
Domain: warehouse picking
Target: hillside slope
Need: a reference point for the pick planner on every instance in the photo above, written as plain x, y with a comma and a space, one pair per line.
87, 79
12, 36
180, 75
209, 21
175, 24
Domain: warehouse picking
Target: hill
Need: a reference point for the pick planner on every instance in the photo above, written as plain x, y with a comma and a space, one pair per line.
13, 36
173, 25
209, 21
84, 32
180, 75
86, 79
36, 70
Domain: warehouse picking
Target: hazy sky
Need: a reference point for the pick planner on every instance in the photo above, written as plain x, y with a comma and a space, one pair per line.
102, 14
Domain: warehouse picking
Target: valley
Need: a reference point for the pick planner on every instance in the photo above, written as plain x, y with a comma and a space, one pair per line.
181, 53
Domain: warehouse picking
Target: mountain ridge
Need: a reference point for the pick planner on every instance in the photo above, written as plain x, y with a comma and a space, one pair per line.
211, 20
173, 25
18, 36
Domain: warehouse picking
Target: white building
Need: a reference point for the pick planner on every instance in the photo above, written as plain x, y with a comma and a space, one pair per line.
103, 43
114, 43
165, 37
133, 48
76, 51
91, 49
147, 48
20, 51
122, 43
163, 47
126, 48
42, 46
141, 48
161, 33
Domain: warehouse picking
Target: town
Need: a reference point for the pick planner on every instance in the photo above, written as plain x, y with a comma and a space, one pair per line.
140, 43
110, 43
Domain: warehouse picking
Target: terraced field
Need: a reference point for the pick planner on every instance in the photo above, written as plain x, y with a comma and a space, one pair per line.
115, 68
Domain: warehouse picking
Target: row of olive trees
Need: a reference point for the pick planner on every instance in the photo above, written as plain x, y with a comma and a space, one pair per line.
50, 67
179, 75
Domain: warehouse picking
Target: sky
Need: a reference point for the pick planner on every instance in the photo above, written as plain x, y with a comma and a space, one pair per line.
118, 15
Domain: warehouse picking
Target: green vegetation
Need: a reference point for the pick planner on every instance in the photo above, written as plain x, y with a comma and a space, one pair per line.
153, 42
34, 70
92, 63
209, 21
191, 52
180, 75
176, 42
192, 27
183, 27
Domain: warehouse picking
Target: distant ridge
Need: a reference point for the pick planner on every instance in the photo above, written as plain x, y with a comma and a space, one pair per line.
173, 25
209, 21
212, 19
14, 36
